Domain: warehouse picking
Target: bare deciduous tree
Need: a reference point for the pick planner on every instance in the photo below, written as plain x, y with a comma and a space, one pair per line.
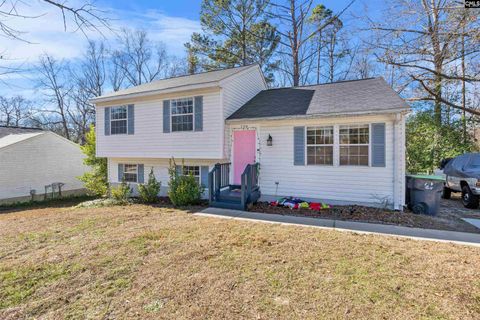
15, 111
56, 90
296, 35
83, 17
139, 59
420, 39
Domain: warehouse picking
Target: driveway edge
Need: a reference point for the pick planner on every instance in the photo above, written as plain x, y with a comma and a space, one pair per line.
462, 238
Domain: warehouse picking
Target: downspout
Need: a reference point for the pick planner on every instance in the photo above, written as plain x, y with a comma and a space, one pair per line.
394, 148
396, 205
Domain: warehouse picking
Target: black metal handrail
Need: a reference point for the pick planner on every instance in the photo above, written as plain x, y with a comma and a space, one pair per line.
249, 182
218, 178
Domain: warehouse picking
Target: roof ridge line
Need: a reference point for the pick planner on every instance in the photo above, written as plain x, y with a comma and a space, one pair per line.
324, 84
203, 72
20, 127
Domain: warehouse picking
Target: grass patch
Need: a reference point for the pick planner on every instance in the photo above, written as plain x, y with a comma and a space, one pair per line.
142, 261
20, 282
66, 201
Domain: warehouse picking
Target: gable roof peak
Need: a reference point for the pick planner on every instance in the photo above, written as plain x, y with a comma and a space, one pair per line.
207, 78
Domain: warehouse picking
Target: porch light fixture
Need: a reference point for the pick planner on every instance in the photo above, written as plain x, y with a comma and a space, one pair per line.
269, 141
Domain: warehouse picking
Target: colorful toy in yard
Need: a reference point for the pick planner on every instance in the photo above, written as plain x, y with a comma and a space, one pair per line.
296, 203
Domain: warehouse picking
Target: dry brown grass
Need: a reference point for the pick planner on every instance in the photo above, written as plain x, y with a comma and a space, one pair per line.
144, 262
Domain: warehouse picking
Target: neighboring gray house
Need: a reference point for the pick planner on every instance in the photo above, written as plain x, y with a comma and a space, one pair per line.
342, 142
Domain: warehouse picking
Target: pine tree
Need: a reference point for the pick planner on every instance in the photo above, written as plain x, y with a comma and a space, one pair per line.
236, 34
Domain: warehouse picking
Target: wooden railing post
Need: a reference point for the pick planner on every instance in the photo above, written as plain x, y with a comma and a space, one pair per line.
217, 179
210, 186
243, 195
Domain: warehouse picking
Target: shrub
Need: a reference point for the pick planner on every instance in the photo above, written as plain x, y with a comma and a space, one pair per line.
121, 192
183, 190
96, 180
149, 191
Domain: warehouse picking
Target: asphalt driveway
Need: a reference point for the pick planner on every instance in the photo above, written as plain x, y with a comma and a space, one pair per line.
455, 207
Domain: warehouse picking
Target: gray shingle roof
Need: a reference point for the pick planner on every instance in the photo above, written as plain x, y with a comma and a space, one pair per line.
356, 96
5, 131
181, 81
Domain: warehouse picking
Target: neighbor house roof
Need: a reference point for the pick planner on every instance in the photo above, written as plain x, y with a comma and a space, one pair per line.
13, 135
346, 97
5, 131
211, 78
6, 141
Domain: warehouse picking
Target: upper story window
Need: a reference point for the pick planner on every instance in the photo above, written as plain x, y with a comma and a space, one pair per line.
320, 145
354, 145
192, 170
130, 173
182, 114
118, 120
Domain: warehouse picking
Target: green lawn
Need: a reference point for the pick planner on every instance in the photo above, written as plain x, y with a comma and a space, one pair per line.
146, 262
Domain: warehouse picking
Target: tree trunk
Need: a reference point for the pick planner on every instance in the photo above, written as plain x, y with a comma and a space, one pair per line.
438, 94
244, 40
319, 48
464, 100
294, 41
331, 56
296, 70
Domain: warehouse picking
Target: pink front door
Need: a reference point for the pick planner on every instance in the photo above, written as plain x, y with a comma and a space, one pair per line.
244, 149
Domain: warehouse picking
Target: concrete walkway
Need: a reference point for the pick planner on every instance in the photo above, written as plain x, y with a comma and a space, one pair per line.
350, 226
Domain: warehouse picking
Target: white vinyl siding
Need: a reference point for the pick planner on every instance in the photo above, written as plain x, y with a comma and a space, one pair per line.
37, 162
350, 184
160, 169
240, 89
149, 140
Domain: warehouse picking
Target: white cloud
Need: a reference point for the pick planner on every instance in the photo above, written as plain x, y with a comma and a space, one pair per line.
173, 31
46, 34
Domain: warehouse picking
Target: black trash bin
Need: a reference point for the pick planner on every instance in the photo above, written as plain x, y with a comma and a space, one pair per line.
423, 193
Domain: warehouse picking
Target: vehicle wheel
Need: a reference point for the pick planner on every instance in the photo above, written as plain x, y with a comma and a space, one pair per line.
469, 200
447, 193
420, 208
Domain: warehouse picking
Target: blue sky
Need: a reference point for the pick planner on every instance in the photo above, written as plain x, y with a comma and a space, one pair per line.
169, 21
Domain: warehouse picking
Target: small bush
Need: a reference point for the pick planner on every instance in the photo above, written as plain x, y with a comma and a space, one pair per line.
149, 191
183, 190
122, 192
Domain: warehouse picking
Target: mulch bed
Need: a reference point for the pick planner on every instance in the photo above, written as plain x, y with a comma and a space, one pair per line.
373, 215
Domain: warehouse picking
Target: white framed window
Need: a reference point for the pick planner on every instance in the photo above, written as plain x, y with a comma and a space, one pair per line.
118, 120
182, 114
130, 173
354, 143
319, 145
192, 170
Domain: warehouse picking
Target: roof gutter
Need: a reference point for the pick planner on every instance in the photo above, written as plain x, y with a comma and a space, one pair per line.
323, 115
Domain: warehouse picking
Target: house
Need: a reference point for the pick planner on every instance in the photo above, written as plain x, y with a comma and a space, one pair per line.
342, 142
32, 160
